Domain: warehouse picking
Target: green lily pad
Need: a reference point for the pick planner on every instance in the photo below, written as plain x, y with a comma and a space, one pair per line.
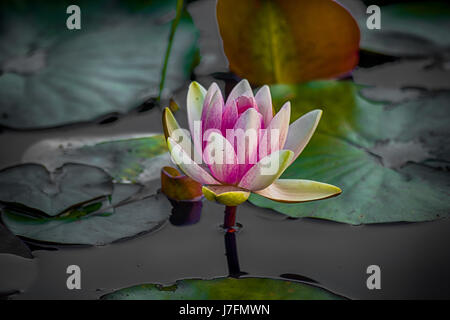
125, 159
52, 76
93, 224
51, 193
385, 159
409, 29
224, 289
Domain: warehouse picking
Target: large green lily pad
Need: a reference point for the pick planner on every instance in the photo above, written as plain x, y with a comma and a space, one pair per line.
52, 76
385, 159
51, 193
224, 289
95, 224
125, 159
408, 29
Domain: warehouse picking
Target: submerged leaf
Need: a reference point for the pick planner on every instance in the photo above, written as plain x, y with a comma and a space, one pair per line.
52, 76
224, 289
382, 158
33, 188
125, 159
289, 41
98, 227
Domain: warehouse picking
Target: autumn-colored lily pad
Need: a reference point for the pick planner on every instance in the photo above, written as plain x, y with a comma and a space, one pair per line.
178, 186
224, 289
52, 76
125, 159
287, 41
386, 160
94, 224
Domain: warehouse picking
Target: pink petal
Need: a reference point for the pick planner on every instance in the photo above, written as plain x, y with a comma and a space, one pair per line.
264, 102
244, 138
212, 113
221, 158
241, 89
244, 103
229, 117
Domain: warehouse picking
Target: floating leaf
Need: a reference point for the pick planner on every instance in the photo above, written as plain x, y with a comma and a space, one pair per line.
381, 157
224, 289
52, 76
32, 187
178, 186
408, 29
126, 159
274, 41
98, 227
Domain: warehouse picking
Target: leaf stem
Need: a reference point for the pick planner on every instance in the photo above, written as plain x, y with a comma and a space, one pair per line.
230, 218
173, 28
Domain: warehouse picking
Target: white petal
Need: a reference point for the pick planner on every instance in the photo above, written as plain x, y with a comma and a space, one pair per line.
266, 171
264, 102
275, 135
301, 131
241, 89
195, 98
187, 165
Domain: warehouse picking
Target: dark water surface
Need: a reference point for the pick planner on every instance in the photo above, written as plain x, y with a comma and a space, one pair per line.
414, 258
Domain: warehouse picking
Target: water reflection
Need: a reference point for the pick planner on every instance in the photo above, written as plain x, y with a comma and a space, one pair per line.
231, 252
185, 213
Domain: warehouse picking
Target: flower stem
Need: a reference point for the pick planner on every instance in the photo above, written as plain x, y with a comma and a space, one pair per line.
230, 218
173, 28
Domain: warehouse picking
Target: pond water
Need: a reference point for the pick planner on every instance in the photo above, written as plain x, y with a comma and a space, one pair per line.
413, 257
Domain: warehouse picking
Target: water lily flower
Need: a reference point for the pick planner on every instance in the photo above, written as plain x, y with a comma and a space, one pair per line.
240, 146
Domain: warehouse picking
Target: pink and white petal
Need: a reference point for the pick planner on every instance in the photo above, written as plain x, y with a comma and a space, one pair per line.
229, 117
245, 136
243, 88
266, 171
212, 113
244, 103
264, 102
221, 158
212, 90
301, 131
292, 191
181, 158
195, 98
275, 135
